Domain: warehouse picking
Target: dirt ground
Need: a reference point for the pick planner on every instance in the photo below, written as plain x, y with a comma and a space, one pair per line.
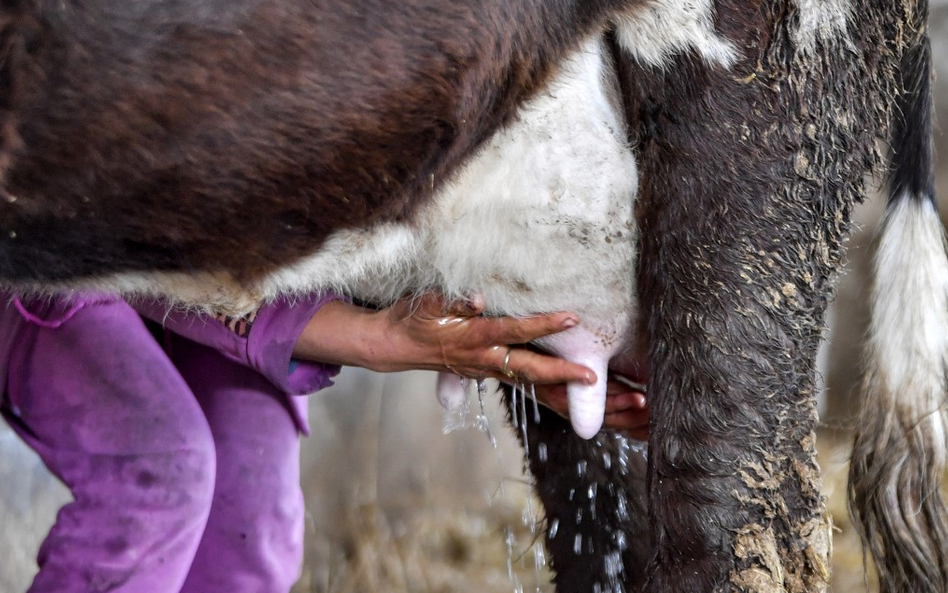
396, 506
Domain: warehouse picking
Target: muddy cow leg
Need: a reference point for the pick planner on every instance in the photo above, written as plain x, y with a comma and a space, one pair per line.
748, 173
741, 235
593, 495
733, 483
733, 317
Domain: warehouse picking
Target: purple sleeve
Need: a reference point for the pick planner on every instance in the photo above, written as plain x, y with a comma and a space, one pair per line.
263, 341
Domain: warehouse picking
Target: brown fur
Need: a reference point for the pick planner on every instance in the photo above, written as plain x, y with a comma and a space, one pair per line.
220, 135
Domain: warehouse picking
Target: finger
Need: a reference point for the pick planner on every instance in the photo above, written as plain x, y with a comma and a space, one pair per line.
631, 422
632, 418
541, 369
511, 330
427, 305
618, 399
553, 397
627, 400
472, 306
560, 408
626, 412
430, 304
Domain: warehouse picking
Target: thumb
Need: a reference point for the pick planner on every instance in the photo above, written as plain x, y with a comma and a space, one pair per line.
471, 306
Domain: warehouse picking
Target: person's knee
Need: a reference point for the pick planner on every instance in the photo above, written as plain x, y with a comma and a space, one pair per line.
252, 542
175, 481
185, 477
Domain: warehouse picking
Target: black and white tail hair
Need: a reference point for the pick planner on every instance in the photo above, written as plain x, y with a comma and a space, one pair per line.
900, 450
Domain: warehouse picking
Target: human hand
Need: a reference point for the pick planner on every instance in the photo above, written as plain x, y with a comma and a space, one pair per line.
442, 336
626, 406
431, 334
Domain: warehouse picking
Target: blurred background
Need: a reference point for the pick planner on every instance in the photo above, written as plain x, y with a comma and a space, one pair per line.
396, 505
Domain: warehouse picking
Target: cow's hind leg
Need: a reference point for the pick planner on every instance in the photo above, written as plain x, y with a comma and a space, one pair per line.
748, 172
740, 239
593, 495
734, 486
733, 300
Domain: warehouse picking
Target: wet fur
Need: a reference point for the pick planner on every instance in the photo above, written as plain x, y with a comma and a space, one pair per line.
748, 177
764, 161
594, 500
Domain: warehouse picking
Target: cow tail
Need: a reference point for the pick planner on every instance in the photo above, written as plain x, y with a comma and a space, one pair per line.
900, 450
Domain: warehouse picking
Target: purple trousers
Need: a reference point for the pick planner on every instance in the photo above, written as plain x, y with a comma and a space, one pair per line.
183, 462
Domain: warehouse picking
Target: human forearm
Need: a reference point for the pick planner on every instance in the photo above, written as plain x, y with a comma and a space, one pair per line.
345, 334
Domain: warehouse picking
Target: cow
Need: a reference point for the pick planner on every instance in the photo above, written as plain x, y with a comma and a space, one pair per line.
207, 150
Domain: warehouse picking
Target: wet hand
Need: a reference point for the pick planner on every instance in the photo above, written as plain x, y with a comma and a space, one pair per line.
626, 406
432, 334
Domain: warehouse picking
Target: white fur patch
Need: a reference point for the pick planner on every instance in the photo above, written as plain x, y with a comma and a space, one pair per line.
909, 328
663, 29
820, 20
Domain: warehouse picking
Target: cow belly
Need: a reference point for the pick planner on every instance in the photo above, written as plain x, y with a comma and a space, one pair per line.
539, 220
